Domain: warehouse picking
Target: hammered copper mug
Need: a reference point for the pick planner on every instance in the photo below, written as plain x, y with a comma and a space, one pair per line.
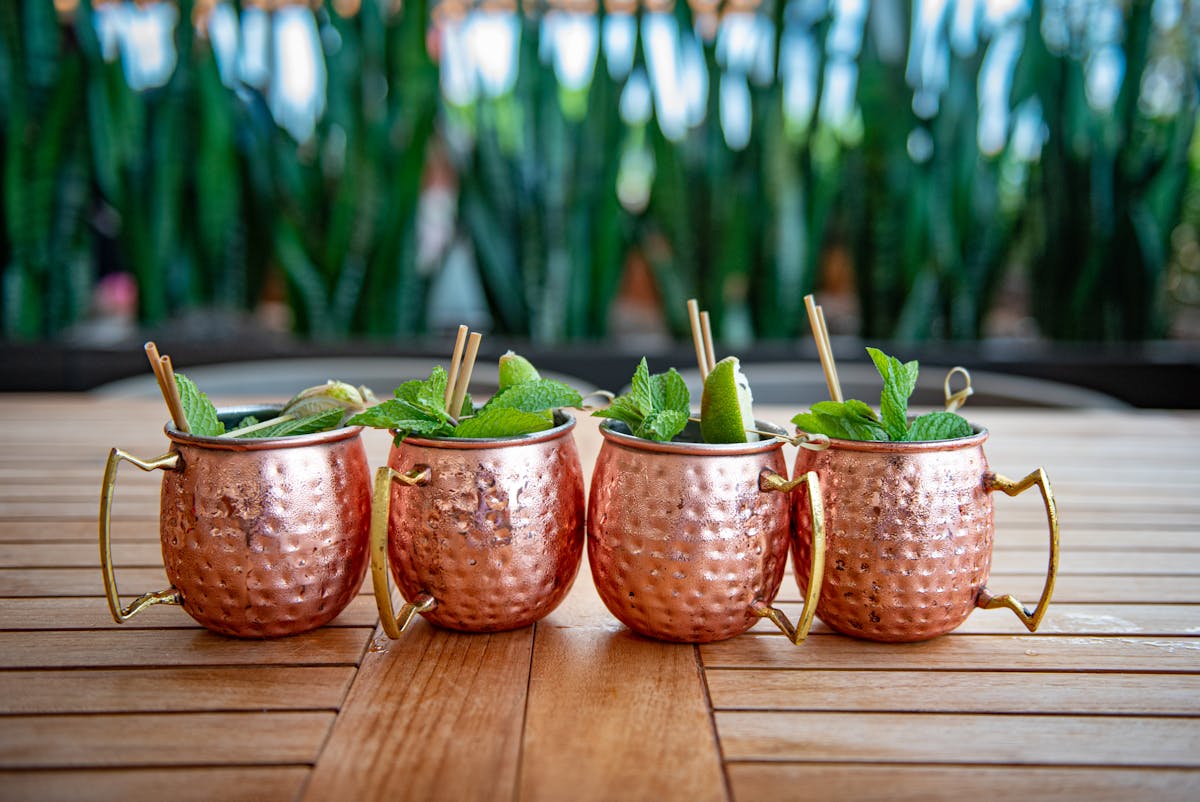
480, 535
261, 537
688, 541
909, 530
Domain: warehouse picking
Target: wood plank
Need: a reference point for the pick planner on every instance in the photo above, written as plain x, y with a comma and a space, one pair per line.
140, 739
78, 555
1166, 620
76, 531
961, 653
241, 784
1070, 589
955, 692
66, 613
1098, 563
176, 690
27, 582
952, 738
837, 782
648, 733
444, 711
177, 647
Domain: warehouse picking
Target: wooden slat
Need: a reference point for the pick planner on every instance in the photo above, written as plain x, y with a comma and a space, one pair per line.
183, 689
1146, 563
92, 613
647, 736
241, 784
78, 555
27, 582
955, 692
954, 738
443, 712
76, 531
177, 647
837, 782
961, 653
139, 739
1076, 589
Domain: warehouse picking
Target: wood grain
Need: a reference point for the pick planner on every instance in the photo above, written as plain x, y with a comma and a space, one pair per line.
195, 739
66, 613
434, 715
837, 782
647, 736
184, 689
953, 738
241, 784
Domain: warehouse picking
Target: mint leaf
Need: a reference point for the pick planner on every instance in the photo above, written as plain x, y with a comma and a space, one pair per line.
199, 412
535, 395
322, 421
848, 420
468, 406
502, 422
662, 425
939, 426
642, 393
622, 409
671, 392
249, 420
899, 381
431, 393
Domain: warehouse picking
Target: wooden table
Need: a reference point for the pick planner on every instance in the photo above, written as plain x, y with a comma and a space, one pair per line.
1102, 703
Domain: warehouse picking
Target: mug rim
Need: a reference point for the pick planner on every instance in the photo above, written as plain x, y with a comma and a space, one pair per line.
911, 447
258, 443
697, 449
545, 435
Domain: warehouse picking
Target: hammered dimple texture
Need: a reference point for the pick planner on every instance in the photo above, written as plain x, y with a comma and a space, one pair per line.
496, 536
681, 545
908, 537
267, 542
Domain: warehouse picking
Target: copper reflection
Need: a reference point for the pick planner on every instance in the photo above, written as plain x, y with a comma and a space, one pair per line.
496, 534
682, 541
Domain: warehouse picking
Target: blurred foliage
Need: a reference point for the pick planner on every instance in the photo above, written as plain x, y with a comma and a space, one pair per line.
207, 195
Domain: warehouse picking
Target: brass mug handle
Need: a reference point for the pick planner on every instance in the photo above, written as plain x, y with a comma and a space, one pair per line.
393, 625
772, 481
167, 462
989, 602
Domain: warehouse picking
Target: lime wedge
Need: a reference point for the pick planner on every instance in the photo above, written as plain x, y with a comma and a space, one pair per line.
726, 408
516, 369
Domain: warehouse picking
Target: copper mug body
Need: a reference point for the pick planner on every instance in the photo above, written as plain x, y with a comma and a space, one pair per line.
260, 537
479, 535
686, 541
909, 534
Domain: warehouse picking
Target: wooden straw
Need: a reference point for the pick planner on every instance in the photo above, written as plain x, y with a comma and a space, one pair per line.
710, 353
821, 336
837, 384
455, 362
698, 338
166, 385
173, 402
464, 375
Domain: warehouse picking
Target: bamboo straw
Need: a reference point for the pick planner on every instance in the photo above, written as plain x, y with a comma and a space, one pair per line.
698, 337
464, 375
837, 384
455, 363
710, 353
173, 402
821, 336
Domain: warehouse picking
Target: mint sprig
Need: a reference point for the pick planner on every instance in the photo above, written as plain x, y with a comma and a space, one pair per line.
655, 408
309, 424
200, 413
856, 420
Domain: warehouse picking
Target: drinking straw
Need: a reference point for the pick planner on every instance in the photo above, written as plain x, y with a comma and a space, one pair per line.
710, 353
455, 362
173, 402
166, 385
698, 338
464, 375
821, 336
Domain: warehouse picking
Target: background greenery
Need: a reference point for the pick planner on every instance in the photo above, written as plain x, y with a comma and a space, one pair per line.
198, 191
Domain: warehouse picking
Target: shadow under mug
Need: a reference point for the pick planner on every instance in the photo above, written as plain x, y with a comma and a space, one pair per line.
260, 537
909, 530
688, 541
480, 535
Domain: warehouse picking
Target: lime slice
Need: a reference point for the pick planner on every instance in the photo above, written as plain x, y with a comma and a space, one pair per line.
726, 407
516, 369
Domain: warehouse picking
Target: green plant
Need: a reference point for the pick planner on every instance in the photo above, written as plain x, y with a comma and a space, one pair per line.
45, 242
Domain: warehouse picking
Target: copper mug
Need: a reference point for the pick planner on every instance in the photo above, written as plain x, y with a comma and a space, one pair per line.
480, 535
260, 537
688, 541
908, 533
